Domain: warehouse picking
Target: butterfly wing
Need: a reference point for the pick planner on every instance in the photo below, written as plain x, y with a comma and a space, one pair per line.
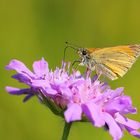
114, 62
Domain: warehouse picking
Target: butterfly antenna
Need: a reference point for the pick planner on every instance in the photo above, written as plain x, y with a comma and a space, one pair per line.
68, 45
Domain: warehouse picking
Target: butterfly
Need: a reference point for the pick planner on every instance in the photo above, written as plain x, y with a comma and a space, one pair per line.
112, 62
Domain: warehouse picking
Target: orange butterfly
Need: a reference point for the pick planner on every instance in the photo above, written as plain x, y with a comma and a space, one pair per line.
113, 62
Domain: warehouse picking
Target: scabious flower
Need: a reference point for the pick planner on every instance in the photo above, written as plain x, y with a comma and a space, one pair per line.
76, 97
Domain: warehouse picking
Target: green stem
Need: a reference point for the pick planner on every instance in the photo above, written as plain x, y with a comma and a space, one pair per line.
66, 131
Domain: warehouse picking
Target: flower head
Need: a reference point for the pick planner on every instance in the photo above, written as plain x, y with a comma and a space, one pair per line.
76, 98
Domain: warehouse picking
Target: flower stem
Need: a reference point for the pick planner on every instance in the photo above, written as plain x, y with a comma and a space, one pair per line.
66, 131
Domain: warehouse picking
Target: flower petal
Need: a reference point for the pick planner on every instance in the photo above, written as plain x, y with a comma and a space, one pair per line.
73, 113
127, 122
133, 132
65, 91
22, 78
40, 83
114, 130
93, 112
28, 97
120, 104
16, 91
19, 67
41, 67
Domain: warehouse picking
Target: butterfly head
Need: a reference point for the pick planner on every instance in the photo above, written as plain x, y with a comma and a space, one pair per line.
84, 55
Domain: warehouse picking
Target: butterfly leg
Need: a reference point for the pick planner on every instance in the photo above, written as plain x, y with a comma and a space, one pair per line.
98, 75
88, 72
98, 72
73, 63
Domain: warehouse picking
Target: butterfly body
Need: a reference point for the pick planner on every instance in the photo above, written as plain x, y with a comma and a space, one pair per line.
113, 62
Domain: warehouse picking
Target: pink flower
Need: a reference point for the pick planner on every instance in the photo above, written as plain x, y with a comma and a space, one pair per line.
77, 98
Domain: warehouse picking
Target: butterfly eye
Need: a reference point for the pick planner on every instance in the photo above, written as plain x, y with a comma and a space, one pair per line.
84, 52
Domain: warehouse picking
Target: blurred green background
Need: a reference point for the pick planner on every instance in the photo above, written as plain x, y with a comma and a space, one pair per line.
30, 29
